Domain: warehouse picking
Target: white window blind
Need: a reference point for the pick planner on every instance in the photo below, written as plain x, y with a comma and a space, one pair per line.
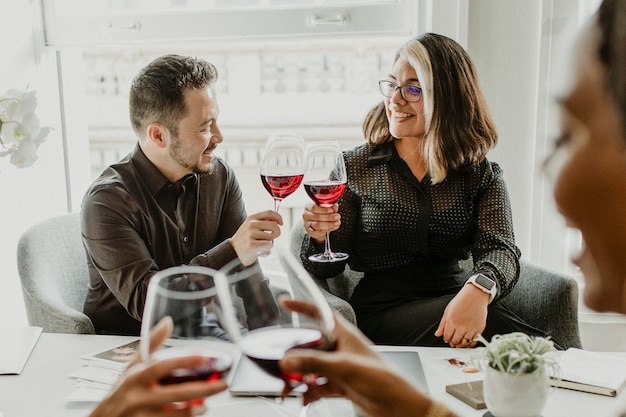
84, 22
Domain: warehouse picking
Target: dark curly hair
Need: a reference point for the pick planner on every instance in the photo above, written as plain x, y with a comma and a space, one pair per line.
611, 19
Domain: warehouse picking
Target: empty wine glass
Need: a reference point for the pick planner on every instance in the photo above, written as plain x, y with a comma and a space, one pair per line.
325, 182
282, 166
186, 294
266, 331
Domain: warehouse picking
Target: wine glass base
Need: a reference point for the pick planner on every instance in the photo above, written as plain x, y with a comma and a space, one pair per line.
333, 257
266, 250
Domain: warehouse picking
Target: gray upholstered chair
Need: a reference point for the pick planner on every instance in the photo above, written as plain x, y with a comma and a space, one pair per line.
53, 271
544, 299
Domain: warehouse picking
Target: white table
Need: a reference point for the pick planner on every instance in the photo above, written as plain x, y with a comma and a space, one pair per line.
43, 384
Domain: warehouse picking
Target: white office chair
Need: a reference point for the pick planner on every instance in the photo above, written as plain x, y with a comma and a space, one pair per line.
53, 270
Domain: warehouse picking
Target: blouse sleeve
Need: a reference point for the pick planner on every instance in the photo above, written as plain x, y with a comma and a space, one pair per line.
494, 252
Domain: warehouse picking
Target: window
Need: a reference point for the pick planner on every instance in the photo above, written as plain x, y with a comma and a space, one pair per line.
307, 67
311, 88
88, 22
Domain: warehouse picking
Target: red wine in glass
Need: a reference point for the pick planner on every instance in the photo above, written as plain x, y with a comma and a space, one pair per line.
325, 180
282, 166
281, 186
267, 346
269, 328
214, 369
217, 365
325, 193
183, 293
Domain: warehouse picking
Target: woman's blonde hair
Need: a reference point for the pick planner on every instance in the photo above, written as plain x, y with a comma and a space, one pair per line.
459, 131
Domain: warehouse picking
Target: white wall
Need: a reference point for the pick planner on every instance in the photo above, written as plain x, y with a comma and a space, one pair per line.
505, 48
518, 47
31, 194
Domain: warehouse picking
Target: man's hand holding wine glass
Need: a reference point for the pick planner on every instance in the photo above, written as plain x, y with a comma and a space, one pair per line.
255, 235
281, 171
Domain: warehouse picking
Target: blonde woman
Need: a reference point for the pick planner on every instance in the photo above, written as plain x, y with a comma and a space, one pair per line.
422, 196
589, 160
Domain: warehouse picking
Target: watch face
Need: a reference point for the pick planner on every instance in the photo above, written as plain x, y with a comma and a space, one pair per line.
484, 282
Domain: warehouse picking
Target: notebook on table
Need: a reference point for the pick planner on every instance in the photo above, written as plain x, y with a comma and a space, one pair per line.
592, 372
250, 381
16, 347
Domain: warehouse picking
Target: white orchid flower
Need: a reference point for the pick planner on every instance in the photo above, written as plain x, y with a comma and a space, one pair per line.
20, 130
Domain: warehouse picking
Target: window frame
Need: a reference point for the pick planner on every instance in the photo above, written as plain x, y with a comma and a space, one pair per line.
394, 18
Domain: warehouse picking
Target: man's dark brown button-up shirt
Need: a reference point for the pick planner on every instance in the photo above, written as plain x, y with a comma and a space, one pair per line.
136, 222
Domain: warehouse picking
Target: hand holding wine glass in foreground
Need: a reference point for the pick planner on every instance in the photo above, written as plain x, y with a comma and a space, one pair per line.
266, 332
348, 371
325, 181
138, 393
185, 294
357, 372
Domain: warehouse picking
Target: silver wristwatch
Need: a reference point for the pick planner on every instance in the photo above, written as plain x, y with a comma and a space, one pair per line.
485, 284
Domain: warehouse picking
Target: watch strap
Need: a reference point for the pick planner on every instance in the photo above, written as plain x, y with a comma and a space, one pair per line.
492, 292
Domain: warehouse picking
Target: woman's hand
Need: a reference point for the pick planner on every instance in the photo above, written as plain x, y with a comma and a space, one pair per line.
319, 220
464, 318
355, 371
138, 393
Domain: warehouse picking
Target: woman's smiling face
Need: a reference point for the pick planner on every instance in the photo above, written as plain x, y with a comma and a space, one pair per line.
406, 119
590, 187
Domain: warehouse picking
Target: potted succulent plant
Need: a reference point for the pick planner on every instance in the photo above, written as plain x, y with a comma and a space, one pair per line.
517, 368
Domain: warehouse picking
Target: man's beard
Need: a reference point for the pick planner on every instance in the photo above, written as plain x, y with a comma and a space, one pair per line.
176, 153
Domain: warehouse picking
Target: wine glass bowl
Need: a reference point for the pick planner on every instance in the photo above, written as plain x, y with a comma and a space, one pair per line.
216, 366
266, 331
282, 166
325, 193
187, 295
325, 181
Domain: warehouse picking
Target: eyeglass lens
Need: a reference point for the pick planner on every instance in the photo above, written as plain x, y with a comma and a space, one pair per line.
409, 93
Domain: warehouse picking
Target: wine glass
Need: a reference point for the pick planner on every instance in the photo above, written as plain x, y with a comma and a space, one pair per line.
282, 166
186, 294
325, 182
263, 330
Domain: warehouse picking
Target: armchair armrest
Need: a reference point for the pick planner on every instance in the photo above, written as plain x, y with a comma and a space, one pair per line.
336, 290
548, 301
340, 305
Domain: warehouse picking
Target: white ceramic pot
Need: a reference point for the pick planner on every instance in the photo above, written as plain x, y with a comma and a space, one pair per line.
515, 395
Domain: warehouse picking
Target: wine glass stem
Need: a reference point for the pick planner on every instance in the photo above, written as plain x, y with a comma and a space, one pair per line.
276, 207
328, 254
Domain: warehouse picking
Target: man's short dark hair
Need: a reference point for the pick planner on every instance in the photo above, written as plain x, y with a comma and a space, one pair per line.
157, 92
